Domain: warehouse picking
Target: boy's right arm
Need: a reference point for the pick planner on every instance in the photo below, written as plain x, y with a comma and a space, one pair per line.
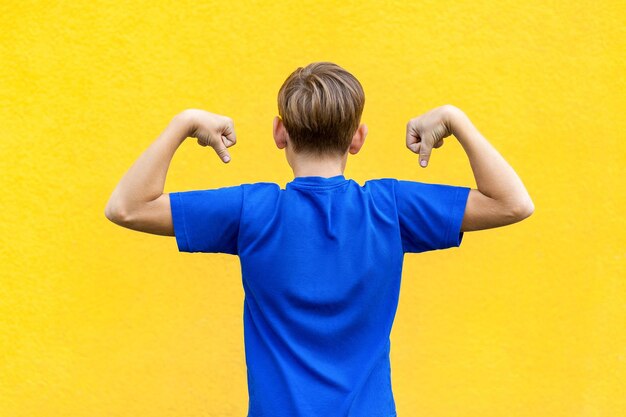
501, 198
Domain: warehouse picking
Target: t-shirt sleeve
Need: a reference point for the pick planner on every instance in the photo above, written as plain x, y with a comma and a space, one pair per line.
430, 215
207, 220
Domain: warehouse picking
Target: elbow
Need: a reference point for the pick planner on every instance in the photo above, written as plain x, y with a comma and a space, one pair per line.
116, 215
522, 210
108, 213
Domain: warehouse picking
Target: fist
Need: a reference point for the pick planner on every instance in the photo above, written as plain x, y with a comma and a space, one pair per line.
212, 130
425, 132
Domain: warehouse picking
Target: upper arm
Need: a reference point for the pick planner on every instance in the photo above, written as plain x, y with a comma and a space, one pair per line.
207, 220
483, 212
152, 217
201, 220
430, 215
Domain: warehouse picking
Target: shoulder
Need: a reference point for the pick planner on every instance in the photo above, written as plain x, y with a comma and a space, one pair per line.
381, 182
381, 192
260, 193
381, 185
260, 200
261, 187
404, 188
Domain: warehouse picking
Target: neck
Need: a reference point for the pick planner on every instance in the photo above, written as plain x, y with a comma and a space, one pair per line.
305, 166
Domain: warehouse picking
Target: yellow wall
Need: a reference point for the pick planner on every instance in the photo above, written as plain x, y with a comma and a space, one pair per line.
97, 320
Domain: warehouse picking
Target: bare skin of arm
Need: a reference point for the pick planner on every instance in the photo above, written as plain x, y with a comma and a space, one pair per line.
500, 198
138, 201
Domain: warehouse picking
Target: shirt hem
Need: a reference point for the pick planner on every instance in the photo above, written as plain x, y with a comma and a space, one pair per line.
454, 236
178, 222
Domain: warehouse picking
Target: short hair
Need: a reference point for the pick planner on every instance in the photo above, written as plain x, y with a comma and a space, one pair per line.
321, 106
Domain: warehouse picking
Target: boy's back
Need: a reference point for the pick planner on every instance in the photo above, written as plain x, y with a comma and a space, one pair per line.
321, 262
321, 259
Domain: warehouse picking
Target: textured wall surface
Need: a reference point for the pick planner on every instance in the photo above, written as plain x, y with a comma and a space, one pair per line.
98, 320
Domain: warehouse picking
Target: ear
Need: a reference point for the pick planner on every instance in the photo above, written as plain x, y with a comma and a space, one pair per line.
358, 139
280, 133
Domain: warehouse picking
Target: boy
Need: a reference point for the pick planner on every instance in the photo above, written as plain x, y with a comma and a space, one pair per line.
321, 260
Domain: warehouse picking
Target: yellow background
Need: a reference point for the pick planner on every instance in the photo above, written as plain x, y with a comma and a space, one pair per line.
98, 320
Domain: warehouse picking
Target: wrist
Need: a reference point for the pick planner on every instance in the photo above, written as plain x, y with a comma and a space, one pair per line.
451, 117
185, 123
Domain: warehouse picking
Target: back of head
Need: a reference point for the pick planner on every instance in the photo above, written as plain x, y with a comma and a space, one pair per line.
321, 106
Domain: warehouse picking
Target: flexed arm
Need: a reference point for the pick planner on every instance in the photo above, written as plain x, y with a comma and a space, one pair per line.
138, 201
501, 198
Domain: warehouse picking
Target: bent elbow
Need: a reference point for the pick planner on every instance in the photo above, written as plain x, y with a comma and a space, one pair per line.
522, 210
108, 213
116, 216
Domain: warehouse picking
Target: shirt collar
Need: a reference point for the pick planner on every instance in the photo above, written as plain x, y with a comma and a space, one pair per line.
318, 181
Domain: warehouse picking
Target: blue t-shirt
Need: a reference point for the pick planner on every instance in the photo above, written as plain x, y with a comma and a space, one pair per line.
321, 262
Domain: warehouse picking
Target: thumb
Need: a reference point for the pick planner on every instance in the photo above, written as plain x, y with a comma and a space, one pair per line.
425, 149
221, 150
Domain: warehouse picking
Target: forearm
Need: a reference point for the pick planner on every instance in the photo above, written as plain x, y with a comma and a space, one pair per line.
145, 180
494, 177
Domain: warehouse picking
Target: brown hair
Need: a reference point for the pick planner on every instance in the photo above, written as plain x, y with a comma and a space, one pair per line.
321, 106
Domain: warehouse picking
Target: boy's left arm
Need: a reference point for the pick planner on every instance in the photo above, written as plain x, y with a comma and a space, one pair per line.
138, 201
